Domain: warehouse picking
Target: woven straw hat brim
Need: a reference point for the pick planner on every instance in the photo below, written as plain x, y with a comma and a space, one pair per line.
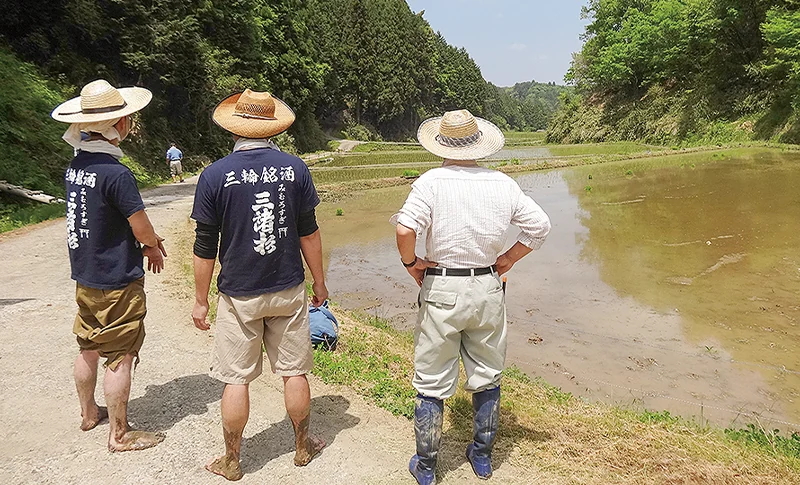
491, 141
251, 127
70, 111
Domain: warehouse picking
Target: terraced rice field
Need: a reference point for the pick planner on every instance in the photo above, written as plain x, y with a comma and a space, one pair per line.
375, 160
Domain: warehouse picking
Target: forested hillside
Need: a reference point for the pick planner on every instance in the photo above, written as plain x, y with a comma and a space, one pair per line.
32, 152
359, 68
525, 106
672, 71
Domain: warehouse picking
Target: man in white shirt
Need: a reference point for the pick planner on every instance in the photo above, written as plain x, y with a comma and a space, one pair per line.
464, 210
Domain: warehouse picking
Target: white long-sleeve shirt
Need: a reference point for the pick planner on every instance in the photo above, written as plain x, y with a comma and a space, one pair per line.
465, 212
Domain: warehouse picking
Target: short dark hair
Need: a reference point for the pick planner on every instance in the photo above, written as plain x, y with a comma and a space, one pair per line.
172, 143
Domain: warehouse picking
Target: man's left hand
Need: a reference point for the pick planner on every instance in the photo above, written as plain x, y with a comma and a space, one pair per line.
503, 264
418, 270
200, 315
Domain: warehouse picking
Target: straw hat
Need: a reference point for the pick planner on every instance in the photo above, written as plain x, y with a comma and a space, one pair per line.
253, 114
100, 101
460, 136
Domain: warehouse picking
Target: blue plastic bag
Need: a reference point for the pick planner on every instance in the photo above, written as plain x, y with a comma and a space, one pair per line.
324, 327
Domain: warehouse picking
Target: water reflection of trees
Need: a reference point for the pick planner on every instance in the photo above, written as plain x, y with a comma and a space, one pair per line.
712, 236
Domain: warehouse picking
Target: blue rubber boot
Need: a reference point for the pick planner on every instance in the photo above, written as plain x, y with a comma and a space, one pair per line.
428, 415
486, 408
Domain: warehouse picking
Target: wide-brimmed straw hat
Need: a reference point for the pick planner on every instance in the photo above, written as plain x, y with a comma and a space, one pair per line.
253, 114
460, 136
100, 101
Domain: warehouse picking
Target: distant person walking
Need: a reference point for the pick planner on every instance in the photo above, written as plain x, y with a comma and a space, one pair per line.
464, 210
262, 201
174, 159
108, 231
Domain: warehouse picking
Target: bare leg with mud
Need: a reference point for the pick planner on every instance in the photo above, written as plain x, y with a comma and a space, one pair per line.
297, 397
235, 412
85, 373
117, 386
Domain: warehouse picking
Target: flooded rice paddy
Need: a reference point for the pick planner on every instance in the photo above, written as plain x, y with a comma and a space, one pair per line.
666, 283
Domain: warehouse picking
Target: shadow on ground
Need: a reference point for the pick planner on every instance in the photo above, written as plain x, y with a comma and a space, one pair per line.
459, 435
165, 405
13, 301
328, 418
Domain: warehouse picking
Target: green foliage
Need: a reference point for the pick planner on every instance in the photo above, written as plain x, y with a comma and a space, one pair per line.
17, 213
360, 133
33, 153
769, 440
410, 173
386, 147
652, 417
339, 212
524, 138
144, 178
527, 106
376, 363
694, 72
381, 158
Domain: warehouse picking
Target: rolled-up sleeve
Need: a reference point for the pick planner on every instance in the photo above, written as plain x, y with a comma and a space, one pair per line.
417, 211
531, 220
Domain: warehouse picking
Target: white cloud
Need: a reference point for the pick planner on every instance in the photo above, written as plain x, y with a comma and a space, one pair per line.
518, 47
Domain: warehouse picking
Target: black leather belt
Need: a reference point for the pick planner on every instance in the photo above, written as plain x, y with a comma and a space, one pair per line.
460, 271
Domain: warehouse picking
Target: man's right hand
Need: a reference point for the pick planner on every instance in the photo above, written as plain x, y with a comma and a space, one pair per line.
155, 256
200, 315
320, 294
417, 271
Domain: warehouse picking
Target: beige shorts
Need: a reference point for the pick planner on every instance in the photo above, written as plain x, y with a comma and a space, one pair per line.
175, 168
278, 321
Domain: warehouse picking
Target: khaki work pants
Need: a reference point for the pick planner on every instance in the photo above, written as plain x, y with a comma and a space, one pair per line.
459, 316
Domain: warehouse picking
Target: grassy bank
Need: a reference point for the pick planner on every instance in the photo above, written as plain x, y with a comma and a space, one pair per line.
565, 438
16, 213
667, 117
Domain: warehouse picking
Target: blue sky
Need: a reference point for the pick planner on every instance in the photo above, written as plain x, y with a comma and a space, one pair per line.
511, 40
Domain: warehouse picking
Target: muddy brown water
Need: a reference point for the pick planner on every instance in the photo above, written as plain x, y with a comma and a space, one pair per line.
665, 284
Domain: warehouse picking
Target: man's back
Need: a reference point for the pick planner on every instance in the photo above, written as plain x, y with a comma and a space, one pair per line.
101, 195
466, 211
174, 153
255, 197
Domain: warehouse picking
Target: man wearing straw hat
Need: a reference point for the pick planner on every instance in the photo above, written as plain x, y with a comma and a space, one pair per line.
262, 202
464, 210
108, 231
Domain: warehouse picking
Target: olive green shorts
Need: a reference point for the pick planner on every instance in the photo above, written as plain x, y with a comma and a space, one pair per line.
111, 322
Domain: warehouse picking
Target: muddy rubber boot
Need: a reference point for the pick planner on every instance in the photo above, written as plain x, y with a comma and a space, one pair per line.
486, 408
428, 415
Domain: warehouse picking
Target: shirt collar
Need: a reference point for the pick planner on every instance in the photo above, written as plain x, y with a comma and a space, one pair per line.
101, 146
253, 143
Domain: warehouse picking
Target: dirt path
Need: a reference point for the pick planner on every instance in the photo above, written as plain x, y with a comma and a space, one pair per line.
171, 392
348, 145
